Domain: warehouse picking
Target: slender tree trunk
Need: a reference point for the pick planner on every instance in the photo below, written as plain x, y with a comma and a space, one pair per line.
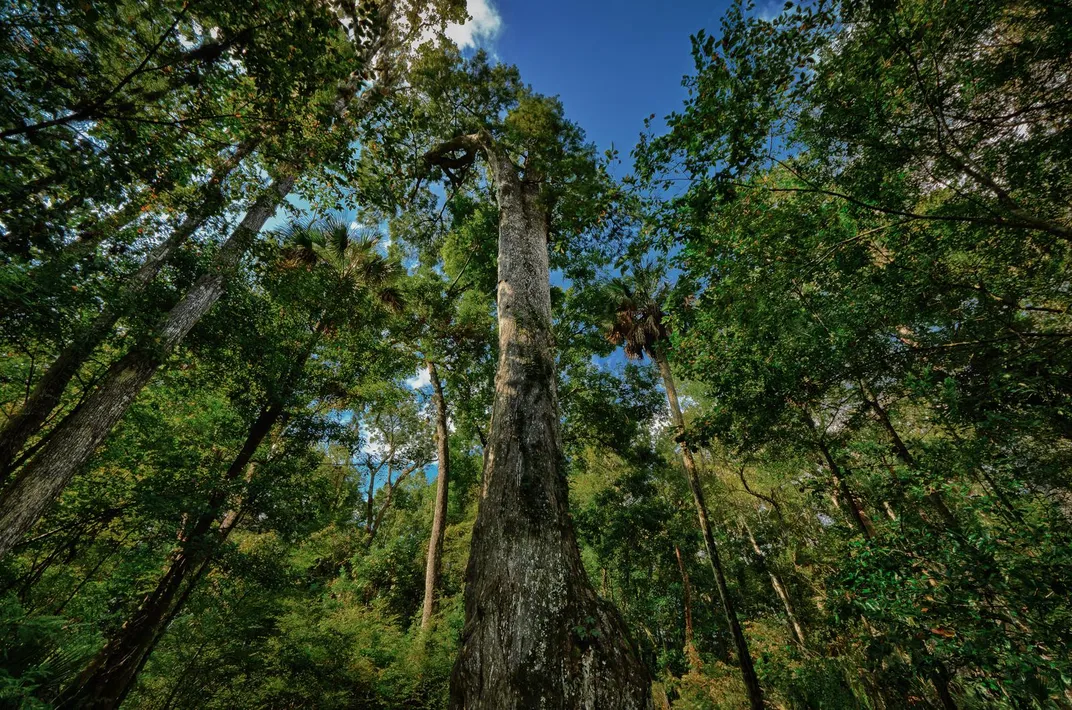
780, 589
857, 513
939, 679
439, 518
906, 457
110, 675
183, 675
90, 575
744, 657
33, 414
224, 530
75, 440
536, 633
207, 200
370, 499
391, 487
691, 653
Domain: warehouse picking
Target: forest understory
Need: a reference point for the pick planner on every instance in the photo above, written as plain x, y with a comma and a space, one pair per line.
340, 369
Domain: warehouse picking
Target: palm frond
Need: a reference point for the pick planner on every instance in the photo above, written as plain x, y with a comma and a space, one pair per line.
301, 241
636, 317
353, 255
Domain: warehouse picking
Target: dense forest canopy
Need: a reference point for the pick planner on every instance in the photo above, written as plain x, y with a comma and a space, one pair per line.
340, 369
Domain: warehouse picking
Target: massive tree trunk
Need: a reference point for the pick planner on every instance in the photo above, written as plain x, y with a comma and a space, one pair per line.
75, 440
110, 675
439, 517
536, 634
45, 397
744, 657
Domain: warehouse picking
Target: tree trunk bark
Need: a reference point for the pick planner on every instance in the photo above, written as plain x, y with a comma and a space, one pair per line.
439, 518
45, 397
906, 457
744, 657
939, 679
390, 487
208, 193
370, 499
75, 440
536, 634
780, 589
109, 676
691, 653
856, 511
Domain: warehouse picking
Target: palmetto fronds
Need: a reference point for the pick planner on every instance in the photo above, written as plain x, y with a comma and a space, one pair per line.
352, 255
635, 313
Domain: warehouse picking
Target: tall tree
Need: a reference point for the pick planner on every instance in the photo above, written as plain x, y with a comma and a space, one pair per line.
352, 265
24, 501
439, 516
639, 325
536, 632
47, 393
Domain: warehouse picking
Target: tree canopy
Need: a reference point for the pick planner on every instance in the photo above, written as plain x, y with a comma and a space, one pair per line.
340, 369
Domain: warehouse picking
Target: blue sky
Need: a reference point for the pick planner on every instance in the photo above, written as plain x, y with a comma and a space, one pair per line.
612, 62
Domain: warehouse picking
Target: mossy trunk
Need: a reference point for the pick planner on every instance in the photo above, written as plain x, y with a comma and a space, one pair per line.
536, 634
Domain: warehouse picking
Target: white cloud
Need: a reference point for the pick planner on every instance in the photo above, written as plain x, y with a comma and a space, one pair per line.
421, 380
484, 25
772, 10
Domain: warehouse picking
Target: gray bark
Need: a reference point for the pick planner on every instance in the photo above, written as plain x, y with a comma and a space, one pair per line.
46, 395
536, 634
25, 501
744, 657
439, 518
78, 436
